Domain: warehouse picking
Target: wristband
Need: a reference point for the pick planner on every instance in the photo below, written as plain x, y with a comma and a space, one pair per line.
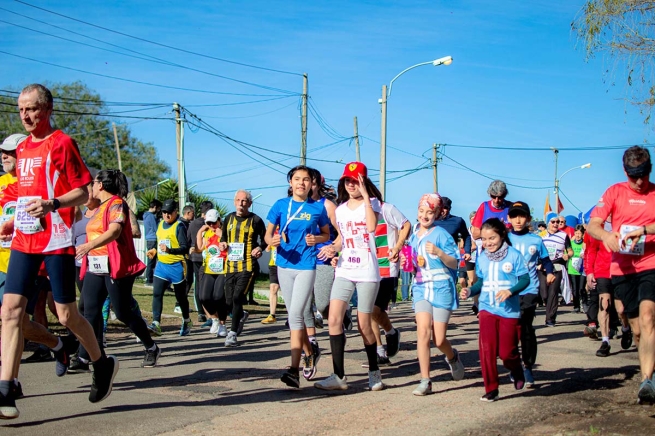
56, 204
645, 231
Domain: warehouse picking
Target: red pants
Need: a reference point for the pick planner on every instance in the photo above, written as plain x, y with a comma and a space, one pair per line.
499, 337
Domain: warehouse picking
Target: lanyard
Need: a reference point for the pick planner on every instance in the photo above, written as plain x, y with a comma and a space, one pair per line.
289, 217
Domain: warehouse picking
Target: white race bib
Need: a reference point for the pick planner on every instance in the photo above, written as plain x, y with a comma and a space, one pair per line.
236, 251
166, 242
215, 264
23, 221
354, 258
638, 249
3, 219
98, 264
576, 263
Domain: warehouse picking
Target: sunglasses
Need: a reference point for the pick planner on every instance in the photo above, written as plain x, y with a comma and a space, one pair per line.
498, 197
557, 222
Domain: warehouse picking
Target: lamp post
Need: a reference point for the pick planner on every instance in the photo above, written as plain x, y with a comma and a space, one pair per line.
446, 60
557, 180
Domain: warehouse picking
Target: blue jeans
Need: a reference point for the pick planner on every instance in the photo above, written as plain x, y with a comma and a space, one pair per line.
406, 279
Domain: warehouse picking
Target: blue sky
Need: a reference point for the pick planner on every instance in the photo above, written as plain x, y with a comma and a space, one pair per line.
517, 80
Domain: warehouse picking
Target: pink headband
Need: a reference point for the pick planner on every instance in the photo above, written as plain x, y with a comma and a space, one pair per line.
432, 201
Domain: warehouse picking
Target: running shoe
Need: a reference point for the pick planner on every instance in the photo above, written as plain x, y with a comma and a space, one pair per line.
332, 383
382, 361
78, 367
8, 409
185, 330
177, 309
519, 380
456, 366
202, 319
151, 358
626, 339
318, 320
104, 372
154, 329
529, 379
214, 328
393, 343
270, 319
604, 349
231, 340
646, 392
222, 331
375, 380
16, 390
70, 344
490, 397
206, 323
40, 355
423, 388
244, 318
591, 331
309, 369
550, 323
291, 379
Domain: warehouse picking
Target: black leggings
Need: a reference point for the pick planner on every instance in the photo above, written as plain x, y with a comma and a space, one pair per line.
577, 287
528, 336
550, 294
158, 288
592, 311
95, 291
212, 295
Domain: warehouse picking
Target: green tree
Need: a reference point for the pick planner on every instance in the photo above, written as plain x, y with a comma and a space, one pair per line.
78, 111
168, 190
624, 32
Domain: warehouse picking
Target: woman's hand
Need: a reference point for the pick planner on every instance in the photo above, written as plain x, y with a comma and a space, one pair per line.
362, 187
464, 293
503, 295
433, 249
550, 278
82, 250
326, 252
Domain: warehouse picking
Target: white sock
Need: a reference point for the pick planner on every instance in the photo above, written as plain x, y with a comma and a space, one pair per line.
606, 339
381, 351
153, 348
16, 381
390, 332
59, 345
625, 329
155, 322
313, 340
83, 360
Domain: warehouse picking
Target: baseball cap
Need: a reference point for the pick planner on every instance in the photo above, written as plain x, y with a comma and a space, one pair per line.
169, 206
354, 170
11, 142
212, 216
541, 224
521, 207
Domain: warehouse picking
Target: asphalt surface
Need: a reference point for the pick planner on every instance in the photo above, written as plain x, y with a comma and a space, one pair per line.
201, 387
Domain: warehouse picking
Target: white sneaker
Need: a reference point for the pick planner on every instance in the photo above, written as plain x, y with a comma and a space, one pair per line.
456, 367
333, 383
231, 340
214, 328
177, 309
222, 330
375, 380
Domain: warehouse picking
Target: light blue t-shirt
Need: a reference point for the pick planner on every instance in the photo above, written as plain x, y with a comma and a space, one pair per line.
497, 276
532, 248
305, 218
434, 281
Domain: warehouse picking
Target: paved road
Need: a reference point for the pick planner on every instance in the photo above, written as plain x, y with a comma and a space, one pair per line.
201, 387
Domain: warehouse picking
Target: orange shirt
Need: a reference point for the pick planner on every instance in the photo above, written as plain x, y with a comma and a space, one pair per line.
95, 226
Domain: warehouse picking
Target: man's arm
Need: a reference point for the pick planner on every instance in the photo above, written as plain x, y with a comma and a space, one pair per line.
39, 208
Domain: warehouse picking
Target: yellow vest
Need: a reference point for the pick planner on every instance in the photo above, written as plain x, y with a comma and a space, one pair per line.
7, 210
169, 238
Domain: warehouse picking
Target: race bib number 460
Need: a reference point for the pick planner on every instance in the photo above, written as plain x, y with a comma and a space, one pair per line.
354, 258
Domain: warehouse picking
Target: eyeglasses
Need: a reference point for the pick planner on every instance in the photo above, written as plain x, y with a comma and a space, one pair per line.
498, 197
554, 222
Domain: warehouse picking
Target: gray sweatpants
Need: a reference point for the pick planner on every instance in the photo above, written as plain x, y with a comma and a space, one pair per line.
367, 292
322, 290
296, 286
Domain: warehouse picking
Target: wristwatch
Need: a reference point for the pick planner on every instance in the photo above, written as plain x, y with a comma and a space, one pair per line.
56, 204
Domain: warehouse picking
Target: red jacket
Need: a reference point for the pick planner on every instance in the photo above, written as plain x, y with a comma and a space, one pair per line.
597, 258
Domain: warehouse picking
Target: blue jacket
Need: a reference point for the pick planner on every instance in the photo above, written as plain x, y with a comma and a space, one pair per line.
455, 225
150, 226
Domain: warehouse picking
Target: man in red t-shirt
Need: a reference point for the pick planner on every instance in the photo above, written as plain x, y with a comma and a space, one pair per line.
631, 205
564, 228
52, 179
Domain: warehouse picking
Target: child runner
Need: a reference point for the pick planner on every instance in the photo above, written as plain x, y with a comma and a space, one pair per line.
357, 268
502, 276
435, 257
298, 218
532, 247
575, 266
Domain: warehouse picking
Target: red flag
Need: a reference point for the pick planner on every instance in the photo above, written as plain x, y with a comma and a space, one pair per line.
547, 208
560, 206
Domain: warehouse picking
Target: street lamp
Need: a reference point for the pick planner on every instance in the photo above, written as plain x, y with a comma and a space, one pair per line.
557, 179
446, 60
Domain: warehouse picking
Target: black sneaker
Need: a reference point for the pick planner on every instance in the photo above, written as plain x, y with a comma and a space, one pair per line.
382, 361
78, 367
244, 318
8, 409
202, 318
393, 343
490, 397
626, 340
70, 346
16, 391
519, 380
40, 355
151, 357
291, 379
604, 349
104, 372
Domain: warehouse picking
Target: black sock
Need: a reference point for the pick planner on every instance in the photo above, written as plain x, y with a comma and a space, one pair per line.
337, 346
5, 387
294, 371
372, 354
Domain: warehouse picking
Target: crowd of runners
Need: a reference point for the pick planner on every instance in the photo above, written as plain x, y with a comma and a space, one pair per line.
332, 250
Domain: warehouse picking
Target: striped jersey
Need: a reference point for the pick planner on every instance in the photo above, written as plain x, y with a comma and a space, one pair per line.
386, 235
242, 235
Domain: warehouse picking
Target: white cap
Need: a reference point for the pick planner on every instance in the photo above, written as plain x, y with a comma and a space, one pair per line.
12, 141
212, 216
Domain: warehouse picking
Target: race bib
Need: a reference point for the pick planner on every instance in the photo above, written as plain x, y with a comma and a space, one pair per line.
98, 264
354, 258
638, 249
215, 264
4, 219
576, 263
235, 252
166, 242
23, 221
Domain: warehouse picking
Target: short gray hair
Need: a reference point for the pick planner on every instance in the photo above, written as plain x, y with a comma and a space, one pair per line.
497, 188
44, 95
248, 195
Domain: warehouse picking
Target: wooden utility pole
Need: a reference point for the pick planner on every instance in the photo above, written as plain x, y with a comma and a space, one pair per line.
179, 139
118, 150
383, 143
303, 122
434, 167
358, 158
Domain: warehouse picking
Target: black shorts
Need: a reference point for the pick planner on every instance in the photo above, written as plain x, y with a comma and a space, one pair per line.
24, 267
470, 266
632, 289
605, 286
461, 272
528, 301
272, 275
388, 286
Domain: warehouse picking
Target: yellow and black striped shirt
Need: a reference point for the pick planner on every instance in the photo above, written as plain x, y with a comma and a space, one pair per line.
248, 230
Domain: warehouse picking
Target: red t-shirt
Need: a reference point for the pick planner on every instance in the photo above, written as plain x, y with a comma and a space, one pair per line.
628, 207
49, 169
597, 259
480, 215
568, 230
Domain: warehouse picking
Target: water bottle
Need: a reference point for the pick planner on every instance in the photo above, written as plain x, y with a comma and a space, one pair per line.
408, 265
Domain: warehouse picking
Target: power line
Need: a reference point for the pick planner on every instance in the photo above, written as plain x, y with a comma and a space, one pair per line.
253, 115
549, 149
98, 102
99, 115
160, 44
569, 200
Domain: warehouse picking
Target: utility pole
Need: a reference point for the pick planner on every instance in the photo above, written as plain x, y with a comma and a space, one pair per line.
434, 167
383, 143
303, 122
118, 150
357, 157
181, 175
556, 151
